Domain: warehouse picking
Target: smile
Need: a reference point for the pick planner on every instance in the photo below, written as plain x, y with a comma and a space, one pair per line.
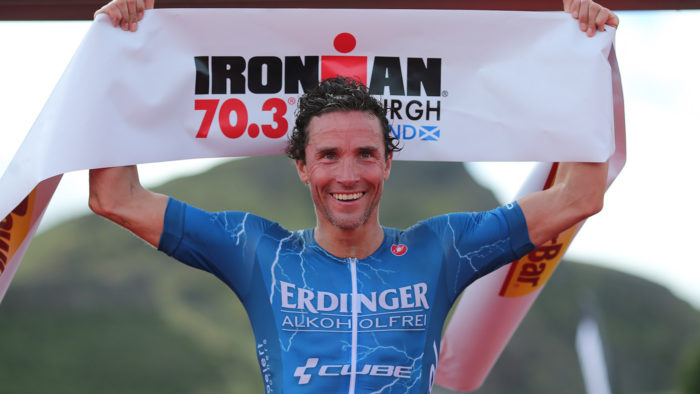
347, 196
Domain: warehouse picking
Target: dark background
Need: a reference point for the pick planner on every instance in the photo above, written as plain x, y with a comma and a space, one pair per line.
84, 9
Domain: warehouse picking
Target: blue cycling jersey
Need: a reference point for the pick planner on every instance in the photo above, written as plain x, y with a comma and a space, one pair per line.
324, 324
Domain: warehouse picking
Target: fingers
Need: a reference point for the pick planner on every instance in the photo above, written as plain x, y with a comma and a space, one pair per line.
583, 15
592, 26
574, 6
143, 5
600, 20
611, 18
124, 22
133, 14
592, 17
126, 13
567, 6
140, 6
112, 12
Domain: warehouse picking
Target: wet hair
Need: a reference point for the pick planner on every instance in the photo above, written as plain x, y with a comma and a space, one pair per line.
331, 95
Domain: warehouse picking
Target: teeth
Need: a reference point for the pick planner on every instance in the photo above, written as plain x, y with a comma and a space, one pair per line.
347, 196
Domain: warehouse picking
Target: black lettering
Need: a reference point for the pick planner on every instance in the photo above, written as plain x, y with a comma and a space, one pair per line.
296, 72
265, 82
417, 113
432, 109
394, 108
386, 72
225, 69
201, 81
421, 74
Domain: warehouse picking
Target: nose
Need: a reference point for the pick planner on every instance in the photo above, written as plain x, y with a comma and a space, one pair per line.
348, 172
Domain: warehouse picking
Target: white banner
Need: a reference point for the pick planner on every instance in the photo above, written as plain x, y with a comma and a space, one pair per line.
196, 83
481, 86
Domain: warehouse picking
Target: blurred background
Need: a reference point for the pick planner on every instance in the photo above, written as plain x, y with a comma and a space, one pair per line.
94, 309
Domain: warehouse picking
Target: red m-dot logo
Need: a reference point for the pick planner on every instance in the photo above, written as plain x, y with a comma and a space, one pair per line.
348, 66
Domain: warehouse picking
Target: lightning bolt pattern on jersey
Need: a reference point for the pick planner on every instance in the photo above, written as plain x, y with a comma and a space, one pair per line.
343, 325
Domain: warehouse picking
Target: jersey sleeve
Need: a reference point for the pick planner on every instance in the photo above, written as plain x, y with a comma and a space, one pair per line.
476, 244
220, 243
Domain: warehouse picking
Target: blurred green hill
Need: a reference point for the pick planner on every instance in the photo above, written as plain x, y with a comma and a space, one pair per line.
93, 309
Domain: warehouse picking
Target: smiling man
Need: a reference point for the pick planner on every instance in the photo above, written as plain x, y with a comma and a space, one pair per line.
350, 305
343, 148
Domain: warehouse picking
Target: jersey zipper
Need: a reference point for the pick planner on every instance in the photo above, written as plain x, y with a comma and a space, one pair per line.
355, 310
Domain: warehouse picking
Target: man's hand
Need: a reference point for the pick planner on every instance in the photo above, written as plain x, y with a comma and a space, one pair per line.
126, 13
592, 16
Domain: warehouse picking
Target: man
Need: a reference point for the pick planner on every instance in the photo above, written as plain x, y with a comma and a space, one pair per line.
348, 306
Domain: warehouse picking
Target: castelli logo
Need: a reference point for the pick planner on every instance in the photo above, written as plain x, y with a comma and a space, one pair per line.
399, 250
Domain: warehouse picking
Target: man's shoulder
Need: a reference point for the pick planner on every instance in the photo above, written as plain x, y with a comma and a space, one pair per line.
224, 218
446, 219
455, 222
434, 224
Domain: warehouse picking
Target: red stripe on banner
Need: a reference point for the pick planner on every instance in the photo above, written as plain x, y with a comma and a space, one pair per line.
515, 265
14, 229
18, 227
551, 177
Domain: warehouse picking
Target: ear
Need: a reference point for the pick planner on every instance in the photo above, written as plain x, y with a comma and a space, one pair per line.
387, 168
301, 170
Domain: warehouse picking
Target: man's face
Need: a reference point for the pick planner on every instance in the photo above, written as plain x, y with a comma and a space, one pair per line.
345, 168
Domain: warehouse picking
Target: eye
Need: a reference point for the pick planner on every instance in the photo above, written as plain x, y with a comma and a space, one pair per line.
368, 154
329, 155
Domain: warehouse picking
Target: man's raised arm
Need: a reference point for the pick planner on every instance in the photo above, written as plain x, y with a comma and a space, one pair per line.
116, 193
577, 193
578, 190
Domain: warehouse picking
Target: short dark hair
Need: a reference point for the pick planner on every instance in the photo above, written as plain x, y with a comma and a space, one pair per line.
331, 95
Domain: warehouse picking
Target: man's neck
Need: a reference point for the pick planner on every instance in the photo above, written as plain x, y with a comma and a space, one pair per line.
357, 243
